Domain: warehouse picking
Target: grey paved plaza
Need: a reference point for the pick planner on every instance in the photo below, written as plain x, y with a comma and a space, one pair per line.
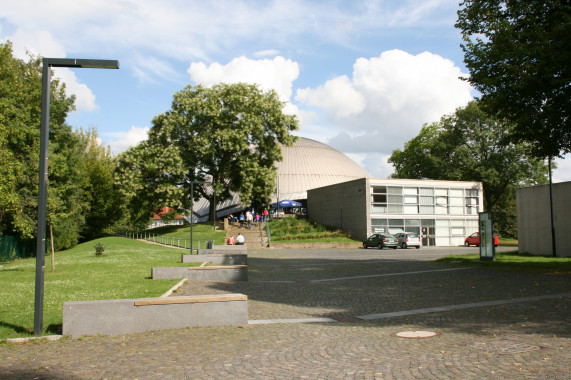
334, 314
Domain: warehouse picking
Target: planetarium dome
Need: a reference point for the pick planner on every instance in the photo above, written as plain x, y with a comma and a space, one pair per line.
306, 165
309, 164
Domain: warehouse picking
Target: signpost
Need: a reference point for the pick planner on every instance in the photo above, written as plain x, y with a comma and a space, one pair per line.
487, 244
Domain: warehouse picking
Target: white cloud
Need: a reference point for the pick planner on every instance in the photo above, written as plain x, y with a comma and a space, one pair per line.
266, 53
386, 102
277, 73
388, 99
121, 141
338, 96
41, 43
140, 30
563, 171
84, 97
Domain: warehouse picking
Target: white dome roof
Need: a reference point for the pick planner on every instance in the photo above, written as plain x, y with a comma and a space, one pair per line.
309, 164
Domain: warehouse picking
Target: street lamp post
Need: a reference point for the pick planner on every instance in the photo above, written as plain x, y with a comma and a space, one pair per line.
48, 63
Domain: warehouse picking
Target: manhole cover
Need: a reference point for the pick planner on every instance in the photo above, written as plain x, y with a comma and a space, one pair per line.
416, 334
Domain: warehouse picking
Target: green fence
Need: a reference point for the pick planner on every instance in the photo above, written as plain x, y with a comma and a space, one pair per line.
12, 248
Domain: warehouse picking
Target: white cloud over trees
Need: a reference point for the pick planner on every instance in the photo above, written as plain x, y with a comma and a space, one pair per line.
386, 101
277, 73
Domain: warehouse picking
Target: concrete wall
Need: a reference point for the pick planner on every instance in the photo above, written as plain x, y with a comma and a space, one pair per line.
223, 258
534, 219
126, 316
343, 205
208, 273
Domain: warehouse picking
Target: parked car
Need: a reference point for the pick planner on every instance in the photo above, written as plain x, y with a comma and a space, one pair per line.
474, 239
408, 239
381, 241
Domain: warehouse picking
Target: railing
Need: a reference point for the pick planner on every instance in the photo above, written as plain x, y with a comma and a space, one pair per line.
168, 241
268, 233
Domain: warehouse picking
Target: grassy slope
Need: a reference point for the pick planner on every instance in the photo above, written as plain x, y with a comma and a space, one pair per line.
200, 232
123, 271
515, 261
293, 230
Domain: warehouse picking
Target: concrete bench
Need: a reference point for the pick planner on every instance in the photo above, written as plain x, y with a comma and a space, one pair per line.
217, 258
227, 249
126, 316
206, 273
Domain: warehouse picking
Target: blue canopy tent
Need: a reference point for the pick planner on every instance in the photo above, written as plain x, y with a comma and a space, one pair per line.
287, 203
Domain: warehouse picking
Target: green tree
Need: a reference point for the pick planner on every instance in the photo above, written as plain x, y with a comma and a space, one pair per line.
469, 146
81, 198
99, 193
229, 134
20, 110
519, 59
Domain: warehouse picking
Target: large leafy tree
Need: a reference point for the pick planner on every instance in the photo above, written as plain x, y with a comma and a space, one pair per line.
519, 59
99, 193
469, 146
81, 199
20, 110
228, 134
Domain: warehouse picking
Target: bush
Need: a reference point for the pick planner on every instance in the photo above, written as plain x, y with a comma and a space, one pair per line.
99, 248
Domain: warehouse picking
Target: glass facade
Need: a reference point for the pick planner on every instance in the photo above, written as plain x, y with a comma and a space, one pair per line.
424, 200
442, 216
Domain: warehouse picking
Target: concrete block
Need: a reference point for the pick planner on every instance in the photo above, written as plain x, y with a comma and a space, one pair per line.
224, 249
207, 273
126, 316
222, 258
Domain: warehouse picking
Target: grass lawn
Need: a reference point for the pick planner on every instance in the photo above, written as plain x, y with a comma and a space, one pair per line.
516, 261
201, 232
508, 242
123, 271
293, 230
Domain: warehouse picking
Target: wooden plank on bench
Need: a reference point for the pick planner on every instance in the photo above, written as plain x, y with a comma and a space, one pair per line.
190, 299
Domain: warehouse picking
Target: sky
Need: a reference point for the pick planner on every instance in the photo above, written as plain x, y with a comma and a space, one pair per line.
363, 76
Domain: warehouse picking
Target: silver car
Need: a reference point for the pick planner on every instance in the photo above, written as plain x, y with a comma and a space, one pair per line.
408, 239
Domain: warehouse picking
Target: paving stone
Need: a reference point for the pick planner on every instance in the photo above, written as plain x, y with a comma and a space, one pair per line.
506, 340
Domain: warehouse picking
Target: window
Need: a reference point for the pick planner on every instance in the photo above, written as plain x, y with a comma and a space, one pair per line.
426, 191
410, 191
424, 200
395, 190
395, 209
408, 209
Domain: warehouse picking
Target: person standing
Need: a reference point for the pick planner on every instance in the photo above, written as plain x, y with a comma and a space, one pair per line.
265, 215
249, 219
242, 219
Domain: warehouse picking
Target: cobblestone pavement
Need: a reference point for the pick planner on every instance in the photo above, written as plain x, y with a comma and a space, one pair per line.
481, 333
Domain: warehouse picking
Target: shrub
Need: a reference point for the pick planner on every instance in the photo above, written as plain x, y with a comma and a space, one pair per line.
99, 248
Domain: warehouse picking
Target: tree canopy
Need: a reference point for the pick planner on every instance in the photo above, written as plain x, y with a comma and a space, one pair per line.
77, 160
228, 134
468, 146
519, 59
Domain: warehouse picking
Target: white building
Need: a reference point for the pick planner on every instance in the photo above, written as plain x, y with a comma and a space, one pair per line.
442, 212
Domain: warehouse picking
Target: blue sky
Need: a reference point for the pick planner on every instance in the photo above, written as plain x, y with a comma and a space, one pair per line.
362, 76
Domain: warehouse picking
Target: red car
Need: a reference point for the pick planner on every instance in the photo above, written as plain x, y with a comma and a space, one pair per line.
474, 239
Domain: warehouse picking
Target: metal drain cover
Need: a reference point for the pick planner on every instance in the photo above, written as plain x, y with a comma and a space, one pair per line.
416, 334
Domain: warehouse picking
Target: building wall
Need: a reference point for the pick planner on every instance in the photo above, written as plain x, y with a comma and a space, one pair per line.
442, 212
342, 205
534, 219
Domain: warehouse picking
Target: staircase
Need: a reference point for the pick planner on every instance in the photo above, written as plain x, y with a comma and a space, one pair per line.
253, 238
